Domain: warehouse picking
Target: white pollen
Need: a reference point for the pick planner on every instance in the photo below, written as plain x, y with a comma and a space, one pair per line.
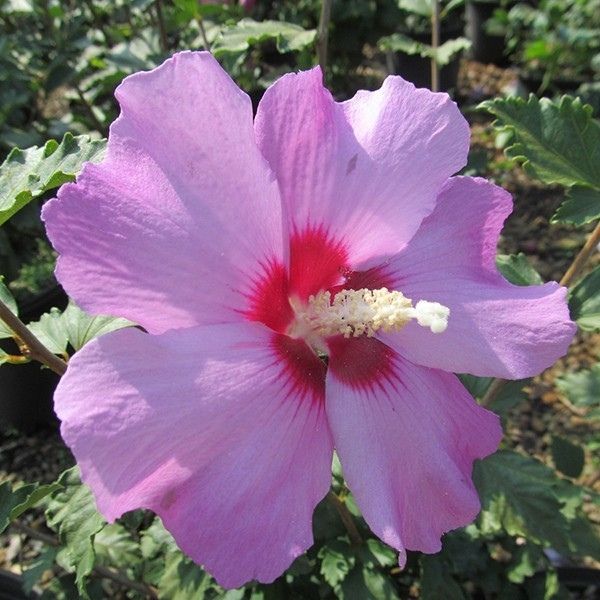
353, 313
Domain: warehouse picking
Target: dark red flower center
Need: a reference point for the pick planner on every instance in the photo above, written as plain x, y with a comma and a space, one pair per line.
318, 262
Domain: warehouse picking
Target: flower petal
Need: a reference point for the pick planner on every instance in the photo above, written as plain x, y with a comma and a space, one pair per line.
367, 170
220, 430
495, 328
406, 437
170, 227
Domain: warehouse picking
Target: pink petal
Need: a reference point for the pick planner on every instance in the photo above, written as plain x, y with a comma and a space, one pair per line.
170, 227
367, 170
495, 328
220, 430
407, 437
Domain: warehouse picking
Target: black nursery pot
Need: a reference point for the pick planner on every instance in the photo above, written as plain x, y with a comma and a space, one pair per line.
26, 390
485, 48
417, 69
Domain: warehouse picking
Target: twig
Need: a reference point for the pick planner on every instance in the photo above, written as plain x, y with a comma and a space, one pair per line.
99, 570
581, 258
323, 34
29, 345
574, 269
203, 32
435, 43
164, 43
89, 108
347, 519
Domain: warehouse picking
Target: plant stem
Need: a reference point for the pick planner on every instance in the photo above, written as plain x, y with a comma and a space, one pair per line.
29, 345
89, 109
582, 257
164, 44
323, 34
99, 570
203, 32
435, 43
574, 269
346, 517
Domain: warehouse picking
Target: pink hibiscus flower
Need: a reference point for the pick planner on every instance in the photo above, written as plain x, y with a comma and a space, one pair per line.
258, 257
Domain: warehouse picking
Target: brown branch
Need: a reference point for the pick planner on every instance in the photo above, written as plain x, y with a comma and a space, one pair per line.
29, 345
346, 517
323, 34
99, 570
572, 272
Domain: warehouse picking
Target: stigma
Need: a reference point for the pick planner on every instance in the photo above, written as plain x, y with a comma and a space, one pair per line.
353, 313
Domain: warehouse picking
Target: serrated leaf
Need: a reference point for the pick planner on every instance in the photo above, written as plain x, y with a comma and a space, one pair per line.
525, 563
582, 389
72, 513
581, 206
114, 545
399, 42
337, 559
568, 458
182, 579
517, 269
584, 301
557, 142
366, 584
26, 174
247, 32
383, 555
518, 495
8, 299
80, 327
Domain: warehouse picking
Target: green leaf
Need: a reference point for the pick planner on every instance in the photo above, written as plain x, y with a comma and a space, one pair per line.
517, 269
557, 142
247, 32
13, 503
81, 327
375, 553
26, 174
182, 579
9, 499
510, 396
8, 299
72, 513
337, 559
437, 582
518, 495
525, 563
398, 42
584, 301
583, 389
50, 331
581, 206
114, 545
446, 52
42, 563
568, 458
366, 584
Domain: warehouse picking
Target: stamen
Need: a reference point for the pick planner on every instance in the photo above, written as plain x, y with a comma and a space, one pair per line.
356, 312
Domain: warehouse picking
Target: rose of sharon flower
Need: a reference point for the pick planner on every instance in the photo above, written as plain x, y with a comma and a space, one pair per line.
306, 282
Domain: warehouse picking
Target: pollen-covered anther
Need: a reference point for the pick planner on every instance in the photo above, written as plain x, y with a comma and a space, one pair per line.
353, 313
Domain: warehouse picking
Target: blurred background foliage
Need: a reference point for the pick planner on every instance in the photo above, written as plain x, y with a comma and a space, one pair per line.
537, 534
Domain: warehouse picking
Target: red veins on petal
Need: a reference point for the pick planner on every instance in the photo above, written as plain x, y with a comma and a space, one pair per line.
362, 363
317, 262
269, 302
303, 372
